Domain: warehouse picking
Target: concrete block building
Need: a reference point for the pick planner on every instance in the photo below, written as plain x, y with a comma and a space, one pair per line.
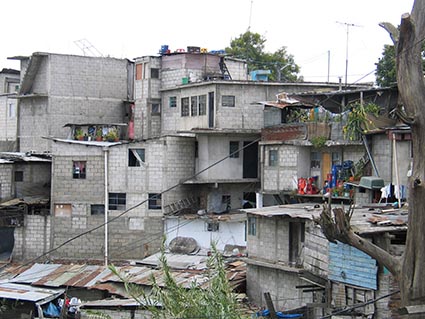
9, 86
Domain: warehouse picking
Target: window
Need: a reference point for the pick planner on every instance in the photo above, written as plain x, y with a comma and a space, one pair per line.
273, 158
12, 110
213, 226
228, 100
226, 201
196, 149
336, 158
139, 73
136, 156
79, 169
315, 160
117, 201
252, 226
19, 176
194, 105
97, 209
233, 149
202, 101
154, 73
156, 108
172, 101
154, 201
185, 106
296, 241
63, 210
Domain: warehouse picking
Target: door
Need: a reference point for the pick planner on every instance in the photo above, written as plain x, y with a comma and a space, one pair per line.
211, 109
250, 160
326, 166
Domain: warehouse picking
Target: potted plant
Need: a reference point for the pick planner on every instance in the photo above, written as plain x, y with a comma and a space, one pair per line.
79, 134
99, 136
112, 135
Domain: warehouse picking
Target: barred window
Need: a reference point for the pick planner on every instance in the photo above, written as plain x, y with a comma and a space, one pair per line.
185, 106
202, 101
194, 105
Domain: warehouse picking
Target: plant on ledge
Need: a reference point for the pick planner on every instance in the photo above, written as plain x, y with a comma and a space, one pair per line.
112, 135
318, 141
357, 121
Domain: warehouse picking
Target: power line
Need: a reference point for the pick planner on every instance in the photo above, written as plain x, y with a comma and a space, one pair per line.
137, 205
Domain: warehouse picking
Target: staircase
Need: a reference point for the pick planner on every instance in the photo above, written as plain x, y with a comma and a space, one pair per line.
175, 207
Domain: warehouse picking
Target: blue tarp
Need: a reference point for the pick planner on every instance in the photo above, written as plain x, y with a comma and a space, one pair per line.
266, 312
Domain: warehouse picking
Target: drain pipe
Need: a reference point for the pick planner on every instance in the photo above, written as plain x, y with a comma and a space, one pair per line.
105, 152
375, 169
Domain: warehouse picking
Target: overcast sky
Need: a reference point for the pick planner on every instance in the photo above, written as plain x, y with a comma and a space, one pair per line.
309, 29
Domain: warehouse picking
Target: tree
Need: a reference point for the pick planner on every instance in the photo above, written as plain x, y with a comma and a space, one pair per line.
216, 301
385, 68
409, 270
250, 46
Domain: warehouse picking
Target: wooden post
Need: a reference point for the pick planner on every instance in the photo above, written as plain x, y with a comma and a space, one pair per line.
270, 306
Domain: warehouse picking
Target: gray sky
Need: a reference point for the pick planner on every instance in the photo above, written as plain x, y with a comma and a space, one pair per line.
129, 29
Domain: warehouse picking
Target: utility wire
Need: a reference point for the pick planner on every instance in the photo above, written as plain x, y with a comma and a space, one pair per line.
137, 205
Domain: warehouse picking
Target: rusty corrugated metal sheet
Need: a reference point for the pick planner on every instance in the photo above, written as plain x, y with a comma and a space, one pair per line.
26, 292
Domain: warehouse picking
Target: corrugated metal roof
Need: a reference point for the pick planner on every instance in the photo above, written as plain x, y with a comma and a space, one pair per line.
110, 303
99, 277
363, 220
28, 293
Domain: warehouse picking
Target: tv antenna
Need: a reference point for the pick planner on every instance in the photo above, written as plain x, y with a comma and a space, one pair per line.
88, 48
347, 25
250, 15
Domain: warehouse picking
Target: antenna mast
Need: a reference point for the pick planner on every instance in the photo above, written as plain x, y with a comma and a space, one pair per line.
347, 25
250, 15
88, 48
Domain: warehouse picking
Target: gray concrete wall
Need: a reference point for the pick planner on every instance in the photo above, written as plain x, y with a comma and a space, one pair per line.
293, 163
212, 148
138, 232
36, 179
33, 239
6, 181
8, 121
80, 90
280, 284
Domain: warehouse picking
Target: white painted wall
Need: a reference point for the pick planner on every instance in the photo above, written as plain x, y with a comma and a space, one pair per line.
232, 233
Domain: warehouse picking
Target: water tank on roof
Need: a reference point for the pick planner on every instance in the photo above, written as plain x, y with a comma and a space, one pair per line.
260, 75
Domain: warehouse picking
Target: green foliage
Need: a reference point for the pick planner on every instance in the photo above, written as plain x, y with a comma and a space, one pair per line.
250, 46
386, 67
357, 121
318, 141
93, 314
175, 301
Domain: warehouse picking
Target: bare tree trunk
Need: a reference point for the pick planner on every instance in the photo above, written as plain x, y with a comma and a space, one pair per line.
411, 87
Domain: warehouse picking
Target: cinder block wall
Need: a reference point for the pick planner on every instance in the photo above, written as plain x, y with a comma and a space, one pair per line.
79, 90
280, 284
6, 175
33, 239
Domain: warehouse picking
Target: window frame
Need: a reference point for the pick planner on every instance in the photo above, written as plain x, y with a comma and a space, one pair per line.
135, 159
194, 105
273, 159
212, 227
156, 108
18, 176
153, 202
97, 210
252, 226
185, 106
172, 101
154, 73
82, 171
117, 201
233, 149
315, 161
228, 100
202, 104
